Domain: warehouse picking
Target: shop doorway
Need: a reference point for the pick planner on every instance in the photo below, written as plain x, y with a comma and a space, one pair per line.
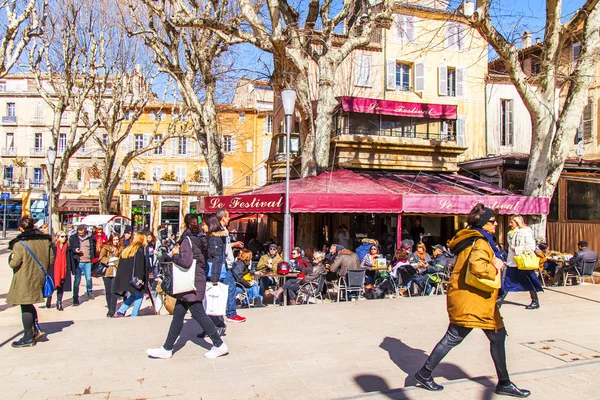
13, 213
141, 211
169, 216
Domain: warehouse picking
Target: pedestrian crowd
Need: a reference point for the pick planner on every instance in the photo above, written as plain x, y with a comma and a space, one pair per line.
476, 272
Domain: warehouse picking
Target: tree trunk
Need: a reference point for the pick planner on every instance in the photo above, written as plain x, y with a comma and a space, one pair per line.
306, 226
306, 125
325, 107
213, 145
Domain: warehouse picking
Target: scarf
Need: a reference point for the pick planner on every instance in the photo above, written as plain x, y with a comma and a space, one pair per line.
60, 264
491, 242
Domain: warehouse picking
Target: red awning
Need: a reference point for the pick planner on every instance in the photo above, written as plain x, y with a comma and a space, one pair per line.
345, 191
399, 108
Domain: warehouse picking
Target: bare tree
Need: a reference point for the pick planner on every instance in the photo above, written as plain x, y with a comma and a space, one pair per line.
66, 62
192, 58
300, 40
21, 24
553, 132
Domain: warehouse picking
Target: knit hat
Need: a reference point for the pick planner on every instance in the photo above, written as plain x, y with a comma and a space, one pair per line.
128, 229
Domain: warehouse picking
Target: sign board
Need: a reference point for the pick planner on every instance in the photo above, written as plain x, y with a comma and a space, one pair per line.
5, 196
245, 203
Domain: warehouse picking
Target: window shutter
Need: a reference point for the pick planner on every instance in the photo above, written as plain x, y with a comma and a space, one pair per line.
460, 35
399, 24
419, 77
460, 132
443, 81
266, 149
391, 74
450, 34
358, 69
588, 122
174, 144
147, 139
409, 28
248, 146
460, 82
262, 176
363, 70
233, 144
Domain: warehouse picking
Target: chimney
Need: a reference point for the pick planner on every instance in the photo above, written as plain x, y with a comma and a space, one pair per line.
538, 40
467, 8
526, 40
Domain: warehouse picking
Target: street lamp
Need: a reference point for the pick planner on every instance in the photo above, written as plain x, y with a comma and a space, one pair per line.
51, 159
288, 97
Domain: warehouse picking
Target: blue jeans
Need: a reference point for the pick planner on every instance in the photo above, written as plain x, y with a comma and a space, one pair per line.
136, 298
231, 305
86, 268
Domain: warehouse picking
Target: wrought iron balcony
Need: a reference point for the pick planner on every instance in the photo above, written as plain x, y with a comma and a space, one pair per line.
406, 133
37, 151
9, 151
9, 120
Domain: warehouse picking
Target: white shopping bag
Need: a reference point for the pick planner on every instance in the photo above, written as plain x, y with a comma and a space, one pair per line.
215, 298
184, 279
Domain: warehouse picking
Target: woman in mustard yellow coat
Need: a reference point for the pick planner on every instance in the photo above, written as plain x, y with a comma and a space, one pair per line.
469, 307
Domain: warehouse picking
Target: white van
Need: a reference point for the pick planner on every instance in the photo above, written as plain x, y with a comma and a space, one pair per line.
109, 223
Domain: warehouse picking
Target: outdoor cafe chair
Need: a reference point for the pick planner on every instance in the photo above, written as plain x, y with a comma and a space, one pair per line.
587, 270
354, 281
312, 290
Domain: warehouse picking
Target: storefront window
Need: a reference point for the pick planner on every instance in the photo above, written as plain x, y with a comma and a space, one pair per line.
553, 213
582, 201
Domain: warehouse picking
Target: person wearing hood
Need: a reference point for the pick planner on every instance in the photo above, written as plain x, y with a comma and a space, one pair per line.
520, 242
469, 307
28, 249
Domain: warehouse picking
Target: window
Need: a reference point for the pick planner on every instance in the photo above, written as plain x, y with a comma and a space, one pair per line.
248, 180
553, 212
452, 81
62, 143
262, 176
582, 201
37, 175
156, 173
159, 115
105, 139
506, 122
10, 110
182, 146
180, 174
455, 35
363, 70
229, 144
227, 174
37, 142
584, 131
402, 77
248, 146
405, 30
39, 112
448, 130
535, 69
10, 140
242, 116
8, 172
138, 142
159, 150
268, 124
266, 148
575, 51
127, 115
2, 86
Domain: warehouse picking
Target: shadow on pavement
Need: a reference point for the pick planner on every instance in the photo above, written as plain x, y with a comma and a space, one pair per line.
49, 328
410, 360
189, 333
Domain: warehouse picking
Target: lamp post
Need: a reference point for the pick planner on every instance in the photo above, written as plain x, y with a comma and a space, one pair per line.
288, 97
144, 197
51, 159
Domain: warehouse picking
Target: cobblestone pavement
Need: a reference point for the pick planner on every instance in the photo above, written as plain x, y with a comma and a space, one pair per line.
365, 349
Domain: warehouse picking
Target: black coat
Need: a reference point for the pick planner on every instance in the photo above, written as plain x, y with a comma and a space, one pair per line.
190, 250
74, 244
66, 284
216, 254
126, 270
239, 269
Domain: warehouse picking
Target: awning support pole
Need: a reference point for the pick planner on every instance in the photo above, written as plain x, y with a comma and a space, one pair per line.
399, 232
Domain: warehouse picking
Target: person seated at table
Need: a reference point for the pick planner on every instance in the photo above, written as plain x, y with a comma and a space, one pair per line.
546, 262
582, 255
312, 274
268, 263
344, 261
302, 266
420, 257
368, 262
241, 274
402, 269
441, 261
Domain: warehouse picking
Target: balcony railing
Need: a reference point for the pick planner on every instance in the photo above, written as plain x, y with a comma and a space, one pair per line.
138, 185
197, 187
406, 133
281, 156
9, 120
9, 151
170, 186
95, 183
37, 151
37, 184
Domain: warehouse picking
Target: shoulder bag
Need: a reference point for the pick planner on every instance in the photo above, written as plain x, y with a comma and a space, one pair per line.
48, 288
184, 279
527, 261
485, 285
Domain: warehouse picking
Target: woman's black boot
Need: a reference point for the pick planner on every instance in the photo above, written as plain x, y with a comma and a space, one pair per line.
535, 304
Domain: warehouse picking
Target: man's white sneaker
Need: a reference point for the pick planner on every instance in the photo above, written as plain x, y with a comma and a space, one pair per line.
161, 352
215, 352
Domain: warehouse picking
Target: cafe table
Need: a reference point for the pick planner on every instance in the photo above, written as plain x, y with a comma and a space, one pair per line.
278, 278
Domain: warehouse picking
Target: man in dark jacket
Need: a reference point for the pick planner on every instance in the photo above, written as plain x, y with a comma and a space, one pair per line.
583, 254
345, 260
83, 248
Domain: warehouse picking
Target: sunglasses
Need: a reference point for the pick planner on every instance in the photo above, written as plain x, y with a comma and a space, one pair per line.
492, 221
